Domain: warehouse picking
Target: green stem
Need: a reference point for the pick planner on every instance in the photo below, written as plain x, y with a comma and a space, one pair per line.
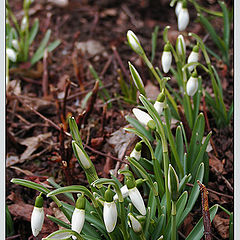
123, 218
173, 223
142, 236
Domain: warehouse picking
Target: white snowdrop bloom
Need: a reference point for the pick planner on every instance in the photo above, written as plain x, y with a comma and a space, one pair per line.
24, 23
135, 154
192, 84
124, 191
134, 42
159, 107
110, 215
166, 58
178, 8
180, 44
183, 19
81, 156
37, 216
193, 57
78, 219
137, 200
78, 216
135, 224
15, 44
141, 116
11, 54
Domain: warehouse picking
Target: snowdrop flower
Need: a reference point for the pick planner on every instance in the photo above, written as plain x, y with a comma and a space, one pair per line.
12, 55
109, 211
15, 44
192, 84
124, 191
173, 183
136, 152
183, 17
178, 7
193, 57
137, 79
134, 223
24, 24
166, 58
134, 42
136, 197
82, 156
143, 118
159, 104
37, 217
181, 45
78, 216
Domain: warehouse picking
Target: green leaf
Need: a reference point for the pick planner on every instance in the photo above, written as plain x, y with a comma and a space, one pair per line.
193, 195
33, 31
40, 51
196, 140
199, 157
179, 144
181, 203
9, 223
197, 99
184, 181
226, 26
63, 234
59, 222
158, 229
74, 130
154, 42
68, 195
197, 232
210, 29
231, 227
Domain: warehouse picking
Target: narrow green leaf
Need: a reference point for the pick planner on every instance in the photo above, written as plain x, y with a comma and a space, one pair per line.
226, 26
179, 144
199, 157
59, 222
231, 234
181, 203
53, 45
154, 42
158, 229
197, 99
197, 232
33, 31
196, 140
40, 51
193, 195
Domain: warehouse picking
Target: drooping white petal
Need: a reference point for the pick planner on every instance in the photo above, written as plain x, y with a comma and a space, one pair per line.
183, 19
137, 200
159, 107
178, 8
141, 116
192, 86
124, 191
110, 215
15, 44
84, 160
37, 219
166, 61
24, 23
135, 154
193, 57
135, 224
11, 54
78, 219
180, 43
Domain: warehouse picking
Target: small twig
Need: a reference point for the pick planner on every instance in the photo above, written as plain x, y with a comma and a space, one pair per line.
13, 237
76, 69
45, 74
212, 191
53, 90
208, 125
205, 211
41, 116
94, 23
103, 119
67, 87
104, 154
117, 56
106, 66
29, 80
